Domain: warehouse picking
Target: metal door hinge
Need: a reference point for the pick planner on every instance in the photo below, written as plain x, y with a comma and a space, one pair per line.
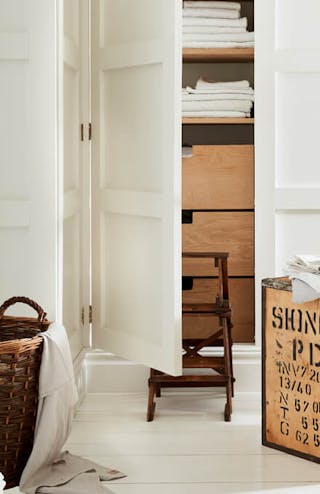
82, 315
90, 314
82, 131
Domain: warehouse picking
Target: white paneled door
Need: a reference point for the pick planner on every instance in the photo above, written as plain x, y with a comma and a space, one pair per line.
136, 215
287, 133
76, 172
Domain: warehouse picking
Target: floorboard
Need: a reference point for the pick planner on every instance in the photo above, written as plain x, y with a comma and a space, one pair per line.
188, 448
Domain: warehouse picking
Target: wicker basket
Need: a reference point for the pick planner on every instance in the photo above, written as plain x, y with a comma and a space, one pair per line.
20, 357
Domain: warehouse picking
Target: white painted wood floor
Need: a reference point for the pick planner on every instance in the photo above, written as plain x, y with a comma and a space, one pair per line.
187, 449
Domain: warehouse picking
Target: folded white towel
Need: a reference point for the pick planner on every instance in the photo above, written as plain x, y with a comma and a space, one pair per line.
212, 4
218, 90
217, 96
212, 13
221, 105
218, 37
209, 84
215, 114
213, 29
304, 270
304, 263
201, 21
302, 291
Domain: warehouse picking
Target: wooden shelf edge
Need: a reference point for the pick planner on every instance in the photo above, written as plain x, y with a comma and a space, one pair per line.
217, 121
218, 54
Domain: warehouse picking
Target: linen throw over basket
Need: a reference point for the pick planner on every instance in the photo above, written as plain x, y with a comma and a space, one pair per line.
20, 357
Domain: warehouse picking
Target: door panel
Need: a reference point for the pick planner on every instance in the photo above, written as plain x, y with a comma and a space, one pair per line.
286, 103
136, 215
76, 173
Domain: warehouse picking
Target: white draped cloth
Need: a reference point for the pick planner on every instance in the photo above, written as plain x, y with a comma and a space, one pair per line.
48, 470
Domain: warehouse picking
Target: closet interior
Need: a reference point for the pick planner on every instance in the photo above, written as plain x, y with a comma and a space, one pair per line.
218, 187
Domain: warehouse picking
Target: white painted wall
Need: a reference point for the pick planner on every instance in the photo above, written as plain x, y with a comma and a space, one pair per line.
287, 79
28, 156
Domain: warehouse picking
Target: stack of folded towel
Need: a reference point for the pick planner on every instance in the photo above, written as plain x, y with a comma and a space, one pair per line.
304, 270
218, 99
213, 24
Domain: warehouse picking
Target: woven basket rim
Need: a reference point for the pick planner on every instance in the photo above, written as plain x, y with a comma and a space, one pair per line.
19, 344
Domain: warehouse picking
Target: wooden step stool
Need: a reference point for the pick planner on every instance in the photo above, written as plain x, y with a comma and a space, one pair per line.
220, 308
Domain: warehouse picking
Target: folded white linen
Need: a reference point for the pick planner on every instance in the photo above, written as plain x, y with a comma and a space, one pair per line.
212, 4
217, 96
209, 84
304, 270
213, 29
222, 105
215, 114
218, 37
202, 21
218, 90
302, 292
304, 263
218, 44
211, 13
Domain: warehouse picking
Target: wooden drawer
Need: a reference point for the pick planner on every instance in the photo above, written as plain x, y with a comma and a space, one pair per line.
242, 301
231, 232
218, 177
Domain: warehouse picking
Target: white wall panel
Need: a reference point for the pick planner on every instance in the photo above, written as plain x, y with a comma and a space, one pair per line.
28, 166
14, 130
296, 233
297, 129
297, 24
135, 21
287, 106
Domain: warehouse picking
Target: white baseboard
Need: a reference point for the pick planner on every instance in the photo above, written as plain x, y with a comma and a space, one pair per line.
106, 373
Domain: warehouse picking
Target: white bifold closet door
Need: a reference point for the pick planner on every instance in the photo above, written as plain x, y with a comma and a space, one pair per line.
136, 213
287, 109
76, 176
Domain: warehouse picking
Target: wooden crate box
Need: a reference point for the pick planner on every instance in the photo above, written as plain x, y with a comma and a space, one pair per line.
291, 371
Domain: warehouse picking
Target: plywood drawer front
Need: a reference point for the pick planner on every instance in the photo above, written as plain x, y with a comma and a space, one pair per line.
242, 301
220, 232
218, 177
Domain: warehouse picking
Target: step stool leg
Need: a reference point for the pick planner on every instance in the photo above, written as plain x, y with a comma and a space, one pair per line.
228, 370
230, 326
151, 402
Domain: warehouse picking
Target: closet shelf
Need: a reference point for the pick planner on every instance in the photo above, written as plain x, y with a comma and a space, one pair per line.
218, 55
217, 121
